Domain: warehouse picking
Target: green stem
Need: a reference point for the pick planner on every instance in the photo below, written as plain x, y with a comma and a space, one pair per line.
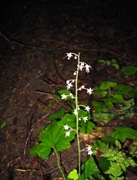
77, 118
58, 163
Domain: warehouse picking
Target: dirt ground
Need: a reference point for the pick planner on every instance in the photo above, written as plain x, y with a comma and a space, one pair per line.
35, 37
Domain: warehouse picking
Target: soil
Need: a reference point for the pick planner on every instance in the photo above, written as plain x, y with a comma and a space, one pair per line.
35, 37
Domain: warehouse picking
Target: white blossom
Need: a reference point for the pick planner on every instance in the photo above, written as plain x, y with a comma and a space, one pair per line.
85, 118
69, 55
68, 133
66, 127
63, 96
90, 91
89, 148
69, 85
81, 66
87, 108
90, 152
87, 68
68, 81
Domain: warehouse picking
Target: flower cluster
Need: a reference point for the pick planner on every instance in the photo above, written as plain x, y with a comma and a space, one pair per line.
88, 149
69, 55
89, 90
83, 65
69, 129
85, 119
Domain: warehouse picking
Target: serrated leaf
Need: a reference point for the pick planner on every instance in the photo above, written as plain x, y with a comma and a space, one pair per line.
54, 136
123, 133
114, 169
118, 98
40, 149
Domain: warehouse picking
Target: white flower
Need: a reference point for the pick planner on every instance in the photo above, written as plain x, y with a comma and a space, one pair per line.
69, 85
66, 127
87, 68
68, 133
69, 55
68, 81
90, 152
85, 118
75, 112
81, 66
75, 73
89, 148
89, 91
63, 96
87, 108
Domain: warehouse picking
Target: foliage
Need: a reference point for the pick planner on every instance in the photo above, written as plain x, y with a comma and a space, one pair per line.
112, 63
106, 156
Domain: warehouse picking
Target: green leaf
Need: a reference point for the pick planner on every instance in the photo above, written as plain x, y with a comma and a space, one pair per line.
112, 63
40, 149
70, 120
129, 70
103, 117
90, 168
86, 127
100, 144
107, 84
54, 136
123, 133
114, 169
73, 174
118, 98
124, 89
57, 115
99, 107
104, 164
64, 91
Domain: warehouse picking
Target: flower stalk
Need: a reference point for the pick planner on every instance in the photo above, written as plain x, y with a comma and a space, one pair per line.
77, 117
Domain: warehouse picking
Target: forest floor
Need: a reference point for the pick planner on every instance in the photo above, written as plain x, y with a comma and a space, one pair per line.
34, 40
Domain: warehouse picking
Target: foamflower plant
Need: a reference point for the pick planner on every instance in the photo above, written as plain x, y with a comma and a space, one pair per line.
74, 82
103, 161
